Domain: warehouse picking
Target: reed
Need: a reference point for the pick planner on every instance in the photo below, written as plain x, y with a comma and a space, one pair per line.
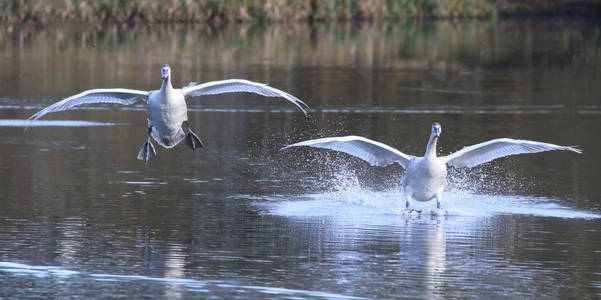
237, 10
222, 11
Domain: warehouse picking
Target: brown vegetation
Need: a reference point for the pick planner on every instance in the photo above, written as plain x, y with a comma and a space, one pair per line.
240, 11
221, 11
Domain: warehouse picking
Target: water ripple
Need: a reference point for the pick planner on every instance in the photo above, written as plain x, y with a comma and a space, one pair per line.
194, 285
542, 109
55, 123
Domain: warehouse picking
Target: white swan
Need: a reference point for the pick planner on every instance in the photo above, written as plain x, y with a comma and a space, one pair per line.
426, 176
166, 108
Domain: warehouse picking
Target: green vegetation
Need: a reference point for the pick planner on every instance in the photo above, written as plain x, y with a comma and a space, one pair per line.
220, 11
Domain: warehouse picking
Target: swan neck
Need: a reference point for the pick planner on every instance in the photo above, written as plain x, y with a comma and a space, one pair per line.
166, 85
431, 148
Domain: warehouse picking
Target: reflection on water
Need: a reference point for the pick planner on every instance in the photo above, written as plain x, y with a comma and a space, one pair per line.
43, 123
358, 65
81, 217
175, 263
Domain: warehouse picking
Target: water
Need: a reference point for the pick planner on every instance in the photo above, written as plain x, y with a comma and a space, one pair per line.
81, 217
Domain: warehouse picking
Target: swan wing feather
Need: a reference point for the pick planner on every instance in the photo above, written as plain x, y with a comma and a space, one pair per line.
240, 86
374, 153
474, 155
119, 96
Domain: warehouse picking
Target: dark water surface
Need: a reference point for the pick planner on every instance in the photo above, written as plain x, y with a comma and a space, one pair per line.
80, 216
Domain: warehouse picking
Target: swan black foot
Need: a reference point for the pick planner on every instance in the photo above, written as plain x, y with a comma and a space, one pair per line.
147, 151
439, 212
192, 139
411, 210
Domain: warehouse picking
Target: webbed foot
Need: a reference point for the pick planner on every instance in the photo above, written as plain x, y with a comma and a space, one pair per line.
439, 212
147, 151
193, 141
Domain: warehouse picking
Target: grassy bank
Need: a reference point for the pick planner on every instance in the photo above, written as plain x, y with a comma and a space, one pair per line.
45, 11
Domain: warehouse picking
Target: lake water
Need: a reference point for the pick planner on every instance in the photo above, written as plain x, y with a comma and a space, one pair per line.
81, 217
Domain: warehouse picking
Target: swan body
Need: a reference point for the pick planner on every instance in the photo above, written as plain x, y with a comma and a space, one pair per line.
166, 108
426, 176
167, 111
428, 180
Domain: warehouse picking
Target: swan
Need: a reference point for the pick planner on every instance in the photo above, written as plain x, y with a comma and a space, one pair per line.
166, 108
426, 177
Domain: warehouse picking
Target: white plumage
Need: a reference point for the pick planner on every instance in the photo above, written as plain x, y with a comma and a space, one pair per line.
478, 154
425, 178
238, 86
375, 153
119, 96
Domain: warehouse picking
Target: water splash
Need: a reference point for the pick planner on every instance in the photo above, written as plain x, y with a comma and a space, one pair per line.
356, 202
347, 189
475, 193
488, 179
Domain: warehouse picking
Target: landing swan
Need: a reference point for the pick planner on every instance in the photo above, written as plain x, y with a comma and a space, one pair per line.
426, 177
166, 108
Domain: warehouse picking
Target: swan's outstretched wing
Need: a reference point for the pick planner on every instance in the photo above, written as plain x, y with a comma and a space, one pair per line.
375, 153
239, 86
484, 152
120, 96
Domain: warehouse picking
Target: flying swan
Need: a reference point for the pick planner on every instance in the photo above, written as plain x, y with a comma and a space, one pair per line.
426, 176
166, 108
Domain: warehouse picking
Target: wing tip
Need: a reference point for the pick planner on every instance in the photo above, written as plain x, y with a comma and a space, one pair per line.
32, 119
575, 149
35, 116
304, 107
299, 144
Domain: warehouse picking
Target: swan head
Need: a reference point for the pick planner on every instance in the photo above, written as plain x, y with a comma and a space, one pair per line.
165, 71
436, 129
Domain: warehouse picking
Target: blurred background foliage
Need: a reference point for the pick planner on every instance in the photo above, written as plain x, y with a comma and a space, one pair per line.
221, 11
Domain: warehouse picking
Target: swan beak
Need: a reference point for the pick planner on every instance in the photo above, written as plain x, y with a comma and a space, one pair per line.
436, 130
165, 70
